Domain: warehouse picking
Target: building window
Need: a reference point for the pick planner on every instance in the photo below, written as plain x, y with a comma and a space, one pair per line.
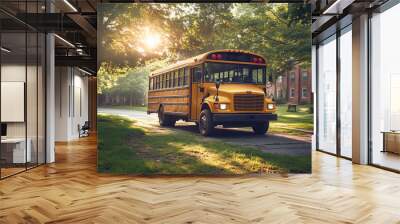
304, 75
292, 77
292, 93
304, 92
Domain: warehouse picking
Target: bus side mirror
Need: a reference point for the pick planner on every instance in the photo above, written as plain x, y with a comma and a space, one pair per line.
217, 84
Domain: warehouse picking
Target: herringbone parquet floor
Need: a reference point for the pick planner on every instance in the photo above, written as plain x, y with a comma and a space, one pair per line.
70, 191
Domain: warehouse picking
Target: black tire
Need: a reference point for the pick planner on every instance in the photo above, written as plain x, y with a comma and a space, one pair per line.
206, 125
261, 128
165, 120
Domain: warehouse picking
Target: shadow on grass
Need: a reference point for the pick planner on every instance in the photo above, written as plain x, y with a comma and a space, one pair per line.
124, 148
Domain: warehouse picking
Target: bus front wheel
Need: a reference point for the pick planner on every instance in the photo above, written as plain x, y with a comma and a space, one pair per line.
164, 119
206, 126
261, 128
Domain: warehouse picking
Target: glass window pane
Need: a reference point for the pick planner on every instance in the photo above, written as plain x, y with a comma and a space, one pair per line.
346, 93
385, 88
327, 95
41, 99
31, 97
14, 153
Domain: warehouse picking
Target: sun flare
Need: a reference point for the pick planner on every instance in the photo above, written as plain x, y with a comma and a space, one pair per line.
152, 40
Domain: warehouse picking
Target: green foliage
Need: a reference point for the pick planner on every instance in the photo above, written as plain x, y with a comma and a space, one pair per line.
108, 75
280, 32
131, 83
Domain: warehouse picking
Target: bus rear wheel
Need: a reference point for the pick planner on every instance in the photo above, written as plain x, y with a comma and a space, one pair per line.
164, 119
261, 128
206, 126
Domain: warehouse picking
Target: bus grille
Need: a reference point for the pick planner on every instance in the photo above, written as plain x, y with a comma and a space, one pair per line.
249, 102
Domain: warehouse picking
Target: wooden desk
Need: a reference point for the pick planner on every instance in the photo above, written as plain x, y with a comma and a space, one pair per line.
391, 141
13, 150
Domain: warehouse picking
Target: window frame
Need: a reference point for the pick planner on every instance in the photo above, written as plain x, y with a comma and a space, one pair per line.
239, 71
304, 90
292, 76
304, 77
292, 93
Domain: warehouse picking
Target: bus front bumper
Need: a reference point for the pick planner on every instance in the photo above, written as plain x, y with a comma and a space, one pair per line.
248, 118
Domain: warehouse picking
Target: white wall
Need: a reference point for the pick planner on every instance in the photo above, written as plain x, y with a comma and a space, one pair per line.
71, 102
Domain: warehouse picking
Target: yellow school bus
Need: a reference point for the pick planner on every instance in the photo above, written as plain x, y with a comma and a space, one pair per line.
218, 88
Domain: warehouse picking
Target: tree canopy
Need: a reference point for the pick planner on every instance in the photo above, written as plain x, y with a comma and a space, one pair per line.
136, 36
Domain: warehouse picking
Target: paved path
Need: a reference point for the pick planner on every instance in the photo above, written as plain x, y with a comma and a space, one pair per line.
273, 143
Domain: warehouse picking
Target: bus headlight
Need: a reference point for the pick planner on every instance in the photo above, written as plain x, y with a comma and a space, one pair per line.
223, 106
270, 106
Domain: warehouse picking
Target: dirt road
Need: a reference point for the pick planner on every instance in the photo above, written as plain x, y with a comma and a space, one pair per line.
273, 143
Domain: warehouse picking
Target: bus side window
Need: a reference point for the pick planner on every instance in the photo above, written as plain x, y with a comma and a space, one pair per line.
171, 80
151, 84
186, 77
231, 74
181, 75
196, 74
175, 78
254, 75
261, 76
246, 75
166, 80
226, 76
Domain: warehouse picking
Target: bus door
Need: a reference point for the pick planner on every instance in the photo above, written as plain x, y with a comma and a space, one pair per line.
197, 93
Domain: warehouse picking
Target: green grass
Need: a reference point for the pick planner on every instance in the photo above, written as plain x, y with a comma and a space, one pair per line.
289, 121
127, 107
126, 148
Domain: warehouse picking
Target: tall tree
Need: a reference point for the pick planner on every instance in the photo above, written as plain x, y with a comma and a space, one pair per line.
280, 32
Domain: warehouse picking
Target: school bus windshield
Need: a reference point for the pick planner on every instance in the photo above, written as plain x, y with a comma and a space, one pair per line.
234, 73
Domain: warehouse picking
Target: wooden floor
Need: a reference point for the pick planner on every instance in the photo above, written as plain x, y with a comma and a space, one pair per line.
70, 191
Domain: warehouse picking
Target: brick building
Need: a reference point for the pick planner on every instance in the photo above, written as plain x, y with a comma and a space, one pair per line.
294, 87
